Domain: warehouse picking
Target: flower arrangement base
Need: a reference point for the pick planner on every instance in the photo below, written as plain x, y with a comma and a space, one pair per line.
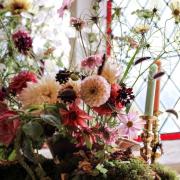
134, 169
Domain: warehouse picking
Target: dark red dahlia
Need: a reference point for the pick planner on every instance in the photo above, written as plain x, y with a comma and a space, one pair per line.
19, 82
22, 41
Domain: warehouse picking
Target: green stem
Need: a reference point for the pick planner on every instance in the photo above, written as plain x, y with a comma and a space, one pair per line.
20, 158
80, 33
129, 65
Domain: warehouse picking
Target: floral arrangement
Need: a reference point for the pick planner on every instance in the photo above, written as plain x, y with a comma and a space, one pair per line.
82, 114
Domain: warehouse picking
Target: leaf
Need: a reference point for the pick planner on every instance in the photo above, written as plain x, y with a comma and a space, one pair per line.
33, 130
101, 169
172, 111
51, 119
141, 60
87, 141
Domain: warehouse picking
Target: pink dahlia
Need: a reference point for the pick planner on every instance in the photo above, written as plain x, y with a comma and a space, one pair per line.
95, 90
131, 125
92, 61
19, 82
74, 116
65, 6
22, 41
8, 128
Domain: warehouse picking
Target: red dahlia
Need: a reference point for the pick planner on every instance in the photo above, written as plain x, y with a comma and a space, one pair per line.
8, 127
19, 82
22, 41
74, 116
112, 104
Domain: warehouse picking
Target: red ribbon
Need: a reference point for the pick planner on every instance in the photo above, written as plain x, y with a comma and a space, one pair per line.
108, 27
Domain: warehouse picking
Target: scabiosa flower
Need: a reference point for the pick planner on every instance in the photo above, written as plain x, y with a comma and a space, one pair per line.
125, 95
63, 76
45, 91
92, 61
18, 6
131, 125
95, 90
22, 41
19, 82
65, 6
8, 128
175, 7
111, 72
74, 116
77, 23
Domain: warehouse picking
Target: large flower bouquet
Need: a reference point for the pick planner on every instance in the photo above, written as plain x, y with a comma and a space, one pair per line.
81, 114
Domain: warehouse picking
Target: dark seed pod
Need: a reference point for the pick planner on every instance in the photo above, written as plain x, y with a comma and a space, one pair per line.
141, 60
158, 75
172, 111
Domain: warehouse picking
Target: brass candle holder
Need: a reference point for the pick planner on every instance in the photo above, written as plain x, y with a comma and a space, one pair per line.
152, 148
157, 150
147, 138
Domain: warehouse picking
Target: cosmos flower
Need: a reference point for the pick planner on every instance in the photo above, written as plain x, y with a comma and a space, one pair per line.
45, 91
92, 61
95, 90
175, 7
65, 6
74, 116
131, 125
141, 29
22, 41
111, 72
19, 82
18, 6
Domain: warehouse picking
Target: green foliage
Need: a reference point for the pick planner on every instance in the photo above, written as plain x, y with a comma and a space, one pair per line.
164, 172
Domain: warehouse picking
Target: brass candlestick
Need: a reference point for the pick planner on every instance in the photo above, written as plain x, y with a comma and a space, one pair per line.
147, 138
156, 143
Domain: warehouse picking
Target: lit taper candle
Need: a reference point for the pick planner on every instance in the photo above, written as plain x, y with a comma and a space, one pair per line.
149, 108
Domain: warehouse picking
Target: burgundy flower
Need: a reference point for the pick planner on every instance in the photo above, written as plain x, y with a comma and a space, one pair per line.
125, 95
22, 41
8, 127
19, 82
74, 116
2, 94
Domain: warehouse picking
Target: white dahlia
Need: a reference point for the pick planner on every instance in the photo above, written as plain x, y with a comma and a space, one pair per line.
111, 72
95, 90
44, 91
